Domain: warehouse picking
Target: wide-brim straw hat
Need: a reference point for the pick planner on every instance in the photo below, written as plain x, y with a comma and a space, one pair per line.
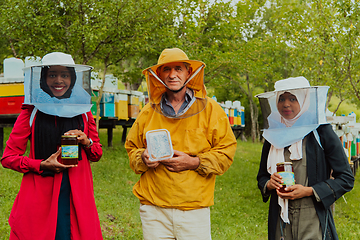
170, 55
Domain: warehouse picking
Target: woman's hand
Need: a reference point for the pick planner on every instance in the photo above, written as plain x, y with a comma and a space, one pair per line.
52, 163
296, 191
274, 182
82, 137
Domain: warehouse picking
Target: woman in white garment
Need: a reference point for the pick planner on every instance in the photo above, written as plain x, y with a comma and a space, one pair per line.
299, 134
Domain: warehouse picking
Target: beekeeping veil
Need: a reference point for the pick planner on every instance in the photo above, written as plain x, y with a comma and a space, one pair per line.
312, 99
157, 87
76, 100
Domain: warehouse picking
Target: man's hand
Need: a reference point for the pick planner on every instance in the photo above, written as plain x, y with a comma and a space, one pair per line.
181, 162
145, 157
52, 163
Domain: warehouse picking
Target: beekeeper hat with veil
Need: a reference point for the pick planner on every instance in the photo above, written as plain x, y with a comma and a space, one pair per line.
157, 87
76, 100
281, 132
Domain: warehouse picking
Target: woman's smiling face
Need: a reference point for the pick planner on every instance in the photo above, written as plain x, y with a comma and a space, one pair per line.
58, 79
288, 105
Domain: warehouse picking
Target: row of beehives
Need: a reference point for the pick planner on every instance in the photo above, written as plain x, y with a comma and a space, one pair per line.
120, 104
115, 103
348, 131
234, 111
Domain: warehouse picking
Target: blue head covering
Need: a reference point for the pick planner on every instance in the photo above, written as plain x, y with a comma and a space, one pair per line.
75, 101
283, 132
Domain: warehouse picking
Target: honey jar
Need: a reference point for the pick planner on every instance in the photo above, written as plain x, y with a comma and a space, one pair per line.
69, 150
286, 171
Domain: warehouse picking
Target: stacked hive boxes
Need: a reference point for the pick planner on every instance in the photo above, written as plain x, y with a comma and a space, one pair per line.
121, 104
134, 107
229, 109
107, 104
12, 87
235, 112
348, 131
351, 139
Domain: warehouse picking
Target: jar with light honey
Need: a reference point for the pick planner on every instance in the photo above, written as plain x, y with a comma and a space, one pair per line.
69, 150
286, 171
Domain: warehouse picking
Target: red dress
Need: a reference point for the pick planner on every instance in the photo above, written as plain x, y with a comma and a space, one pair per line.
34, 212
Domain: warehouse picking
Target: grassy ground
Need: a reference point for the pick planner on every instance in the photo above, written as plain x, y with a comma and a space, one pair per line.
238, 213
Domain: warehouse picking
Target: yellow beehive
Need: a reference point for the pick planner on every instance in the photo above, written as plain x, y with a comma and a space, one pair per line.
11, 89
121, 104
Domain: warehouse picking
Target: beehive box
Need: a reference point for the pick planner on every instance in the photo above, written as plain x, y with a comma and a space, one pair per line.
11, 98
121, 104
107, 110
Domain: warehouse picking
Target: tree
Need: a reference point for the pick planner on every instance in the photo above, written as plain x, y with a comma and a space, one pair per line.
249, 46
236, 46
325, 35
89, 30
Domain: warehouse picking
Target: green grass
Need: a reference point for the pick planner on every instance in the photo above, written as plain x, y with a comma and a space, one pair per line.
238, 213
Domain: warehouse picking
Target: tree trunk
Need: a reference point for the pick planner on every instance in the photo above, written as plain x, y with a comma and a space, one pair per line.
328, 98
252, 111
256, 120
133, 86
100, 94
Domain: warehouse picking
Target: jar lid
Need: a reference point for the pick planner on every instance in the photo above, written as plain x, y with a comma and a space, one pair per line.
69, 136
284, 163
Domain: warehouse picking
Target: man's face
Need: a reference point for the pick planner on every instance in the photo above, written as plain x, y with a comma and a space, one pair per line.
174, 75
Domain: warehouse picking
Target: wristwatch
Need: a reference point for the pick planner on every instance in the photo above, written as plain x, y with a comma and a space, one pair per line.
90, 144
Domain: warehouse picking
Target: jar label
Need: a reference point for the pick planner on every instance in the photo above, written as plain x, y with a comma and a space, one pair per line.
288, 178
69, 151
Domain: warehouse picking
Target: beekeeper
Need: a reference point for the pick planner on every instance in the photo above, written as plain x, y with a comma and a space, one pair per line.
55, 201
175, 193
297, 132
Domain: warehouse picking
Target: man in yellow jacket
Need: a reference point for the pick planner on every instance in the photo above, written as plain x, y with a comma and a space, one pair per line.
175, 193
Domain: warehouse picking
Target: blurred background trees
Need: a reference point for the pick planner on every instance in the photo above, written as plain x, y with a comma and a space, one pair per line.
246, 45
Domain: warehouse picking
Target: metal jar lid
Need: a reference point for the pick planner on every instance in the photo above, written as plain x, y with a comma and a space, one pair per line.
284, 163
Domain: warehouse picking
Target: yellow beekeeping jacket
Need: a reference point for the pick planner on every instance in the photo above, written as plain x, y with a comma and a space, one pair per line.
207, 135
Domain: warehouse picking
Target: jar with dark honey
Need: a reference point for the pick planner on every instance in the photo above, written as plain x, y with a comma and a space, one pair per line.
69, 150
286, 171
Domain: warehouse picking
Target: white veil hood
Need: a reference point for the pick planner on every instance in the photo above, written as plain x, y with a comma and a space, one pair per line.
275, 130
77, 103
156, 86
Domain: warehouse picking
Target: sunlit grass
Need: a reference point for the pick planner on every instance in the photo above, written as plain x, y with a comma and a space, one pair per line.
238, 213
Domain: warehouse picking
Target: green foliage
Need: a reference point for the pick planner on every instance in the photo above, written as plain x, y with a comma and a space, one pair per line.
247, 47
325, 35
85, 29
346, 108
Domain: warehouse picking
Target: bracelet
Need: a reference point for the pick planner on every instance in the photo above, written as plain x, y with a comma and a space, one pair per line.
91, 143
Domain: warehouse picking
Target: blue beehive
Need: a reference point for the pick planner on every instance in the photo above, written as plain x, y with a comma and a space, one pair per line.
107, 109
